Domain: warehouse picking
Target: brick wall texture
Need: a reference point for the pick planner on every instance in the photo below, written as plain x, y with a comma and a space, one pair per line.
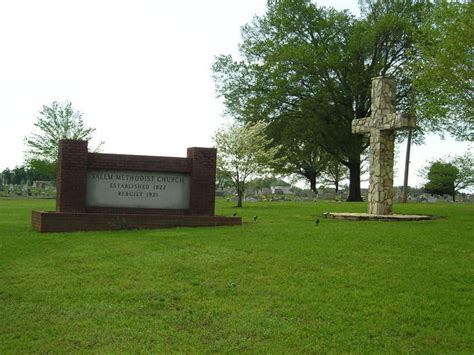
74, 161
65, 222
71, 176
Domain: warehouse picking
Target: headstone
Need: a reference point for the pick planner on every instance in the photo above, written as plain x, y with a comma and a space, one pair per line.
432, 199
250, 199
448, 198
341, 196
421, 198
115, 191
381, 126
41, 184
329, 196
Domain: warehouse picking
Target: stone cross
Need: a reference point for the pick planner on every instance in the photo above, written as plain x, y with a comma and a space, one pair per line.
381, 126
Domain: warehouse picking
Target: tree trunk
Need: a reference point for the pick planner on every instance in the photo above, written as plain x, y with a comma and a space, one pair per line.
354, 180
311, 176
312, 183
336, 184
240, 187
239, 197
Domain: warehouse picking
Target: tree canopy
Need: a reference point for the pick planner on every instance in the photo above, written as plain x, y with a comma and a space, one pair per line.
306, 71
54, 123
334, 174
449, 175
244, 152
441, 177
22, 175
442, 68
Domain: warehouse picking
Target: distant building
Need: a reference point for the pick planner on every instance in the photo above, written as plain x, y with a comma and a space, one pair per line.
280, 190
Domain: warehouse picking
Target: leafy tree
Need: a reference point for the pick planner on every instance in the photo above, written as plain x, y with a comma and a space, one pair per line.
223, 180
442, 68
310, 68
441, 177
244, 152
43, 168
465, 164
55, 122
449, 176
302, 157
6, 176
335, 173
266, 182
22, 175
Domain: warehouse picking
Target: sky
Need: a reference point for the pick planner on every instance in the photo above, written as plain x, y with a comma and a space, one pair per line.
138, 70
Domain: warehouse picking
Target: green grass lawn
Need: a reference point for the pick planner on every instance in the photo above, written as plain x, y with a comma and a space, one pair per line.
281, 284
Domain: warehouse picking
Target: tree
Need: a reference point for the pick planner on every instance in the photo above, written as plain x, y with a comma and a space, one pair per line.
449, 176
335, 173
223, 180
302, 157
6, 176
441, 177
244, 152
22, 175
266, 182
465, 164
43, 168
442, 68
55, 122
311, 67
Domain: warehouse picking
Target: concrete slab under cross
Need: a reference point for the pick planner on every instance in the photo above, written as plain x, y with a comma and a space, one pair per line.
381, 126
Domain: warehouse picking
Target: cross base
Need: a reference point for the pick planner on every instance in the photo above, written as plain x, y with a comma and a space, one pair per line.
377, 217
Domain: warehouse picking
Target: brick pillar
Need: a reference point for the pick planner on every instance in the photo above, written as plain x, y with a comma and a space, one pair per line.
71, 176
203, 181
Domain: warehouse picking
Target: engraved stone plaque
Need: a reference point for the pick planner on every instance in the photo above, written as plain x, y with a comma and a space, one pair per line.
134, 189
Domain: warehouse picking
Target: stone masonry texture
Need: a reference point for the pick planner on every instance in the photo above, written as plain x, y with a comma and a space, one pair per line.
381, 126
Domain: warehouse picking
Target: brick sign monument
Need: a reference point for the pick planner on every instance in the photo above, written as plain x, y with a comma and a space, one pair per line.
113, 191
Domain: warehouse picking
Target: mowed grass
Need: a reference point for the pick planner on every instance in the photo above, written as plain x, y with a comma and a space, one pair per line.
277, 285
